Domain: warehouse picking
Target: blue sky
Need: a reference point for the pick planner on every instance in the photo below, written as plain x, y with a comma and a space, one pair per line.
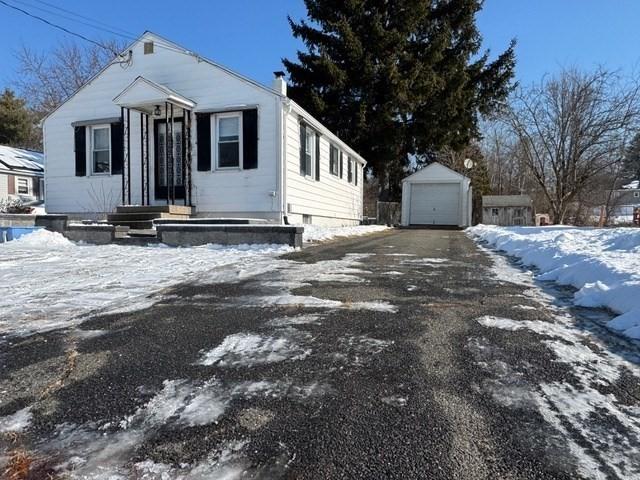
251, 36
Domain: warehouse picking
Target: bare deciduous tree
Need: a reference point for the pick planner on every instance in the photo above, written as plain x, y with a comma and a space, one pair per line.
571, 128
46, 79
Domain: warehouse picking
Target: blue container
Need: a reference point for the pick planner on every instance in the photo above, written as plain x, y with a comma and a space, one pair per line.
11, 233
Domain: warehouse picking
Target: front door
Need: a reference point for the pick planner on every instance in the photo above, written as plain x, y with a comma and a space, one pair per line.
163, 173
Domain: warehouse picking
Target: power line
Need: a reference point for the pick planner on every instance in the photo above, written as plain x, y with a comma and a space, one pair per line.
93, 24
112, 30
59, 27
97, 22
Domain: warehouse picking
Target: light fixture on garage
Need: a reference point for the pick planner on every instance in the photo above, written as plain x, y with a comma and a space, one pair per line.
468, 163
156, 111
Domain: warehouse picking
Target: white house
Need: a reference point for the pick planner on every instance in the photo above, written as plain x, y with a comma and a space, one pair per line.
162, 125
21, 175
437, 196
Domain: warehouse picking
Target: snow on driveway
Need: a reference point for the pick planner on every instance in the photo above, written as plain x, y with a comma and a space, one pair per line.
603, 264
50, 282
316, 233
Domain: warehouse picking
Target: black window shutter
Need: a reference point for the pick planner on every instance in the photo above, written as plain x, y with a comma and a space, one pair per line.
317, 157
80, 141
117, 148
250, 139
355, 165
341, 165
203, 133
303, 141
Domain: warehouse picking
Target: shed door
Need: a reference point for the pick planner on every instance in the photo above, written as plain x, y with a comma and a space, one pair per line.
435, 204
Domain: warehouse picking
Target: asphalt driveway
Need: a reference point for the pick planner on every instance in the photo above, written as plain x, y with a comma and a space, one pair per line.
405, 354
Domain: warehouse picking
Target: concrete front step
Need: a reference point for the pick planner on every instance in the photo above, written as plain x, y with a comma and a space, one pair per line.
173, 209
210, 221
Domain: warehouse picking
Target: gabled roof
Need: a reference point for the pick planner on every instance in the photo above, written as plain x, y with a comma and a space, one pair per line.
144, 91
423, 172
19, 160
164, 43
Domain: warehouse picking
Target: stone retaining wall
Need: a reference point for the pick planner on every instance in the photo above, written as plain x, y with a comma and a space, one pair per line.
192, 235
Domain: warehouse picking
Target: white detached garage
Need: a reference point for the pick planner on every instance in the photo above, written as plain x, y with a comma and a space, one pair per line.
436, 195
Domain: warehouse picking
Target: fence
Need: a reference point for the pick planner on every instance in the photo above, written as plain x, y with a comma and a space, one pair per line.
388, 213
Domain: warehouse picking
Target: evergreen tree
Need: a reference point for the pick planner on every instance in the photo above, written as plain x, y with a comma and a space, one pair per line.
632, 159
395, 79
16, 121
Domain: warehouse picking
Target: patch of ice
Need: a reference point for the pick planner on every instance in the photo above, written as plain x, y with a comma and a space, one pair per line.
395, 400
303, 319
426, 261
317, 233
16, 422
392, 272
245, 349
524, 307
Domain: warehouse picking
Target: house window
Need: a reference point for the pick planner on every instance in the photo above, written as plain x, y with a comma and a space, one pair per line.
349, 170
494, 212
636, 194
100, 149
229, 138
334, 160
517, 212
308, 150
22, 186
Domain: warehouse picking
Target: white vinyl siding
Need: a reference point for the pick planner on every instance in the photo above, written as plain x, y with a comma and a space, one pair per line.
330, 201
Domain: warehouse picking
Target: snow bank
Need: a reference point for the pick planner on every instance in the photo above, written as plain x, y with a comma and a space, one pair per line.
603, 264
316, 233
50, 282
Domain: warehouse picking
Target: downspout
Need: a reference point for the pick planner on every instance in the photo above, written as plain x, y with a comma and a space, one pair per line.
283, 108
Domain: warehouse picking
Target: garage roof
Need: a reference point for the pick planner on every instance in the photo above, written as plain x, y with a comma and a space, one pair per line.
434, 172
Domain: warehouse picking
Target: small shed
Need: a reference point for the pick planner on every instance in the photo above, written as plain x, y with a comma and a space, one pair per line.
507, 210
436, 196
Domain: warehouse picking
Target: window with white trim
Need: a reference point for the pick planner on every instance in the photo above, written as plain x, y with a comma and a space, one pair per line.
349, 170
309, 151
100, 147
22, 186
334, 160
228, 140
636, 194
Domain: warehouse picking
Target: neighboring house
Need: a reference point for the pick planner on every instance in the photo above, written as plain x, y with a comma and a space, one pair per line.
436, 196
21, 175
162, 125
507, 210
624, 202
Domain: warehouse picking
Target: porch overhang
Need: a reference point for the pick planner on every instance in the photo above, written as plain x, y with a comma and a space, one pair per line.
144, 95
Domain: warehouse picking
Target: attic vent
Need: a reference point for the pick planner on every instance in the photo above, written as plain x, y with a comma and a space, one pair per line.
148, 48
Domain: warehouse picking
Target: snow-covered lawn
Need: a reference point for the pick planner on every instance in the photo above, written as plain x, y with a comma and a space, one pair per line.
315, 233
49, 282
603, 264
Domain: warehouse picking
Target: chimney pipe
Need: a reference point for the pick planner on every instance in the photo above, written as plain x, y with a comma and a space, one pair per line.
279, 83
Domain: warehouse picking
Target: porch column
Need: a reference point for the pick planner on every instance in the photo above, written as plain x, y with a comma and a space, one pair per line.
125, 119
144, 158
187, 120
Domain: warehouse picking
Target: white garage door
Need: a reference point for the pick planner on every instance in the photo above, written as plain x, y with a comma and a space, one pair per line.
435, 204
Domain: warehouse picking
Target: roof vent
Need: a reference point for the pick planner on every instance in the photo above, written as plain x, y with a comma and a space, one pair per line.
148, 48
